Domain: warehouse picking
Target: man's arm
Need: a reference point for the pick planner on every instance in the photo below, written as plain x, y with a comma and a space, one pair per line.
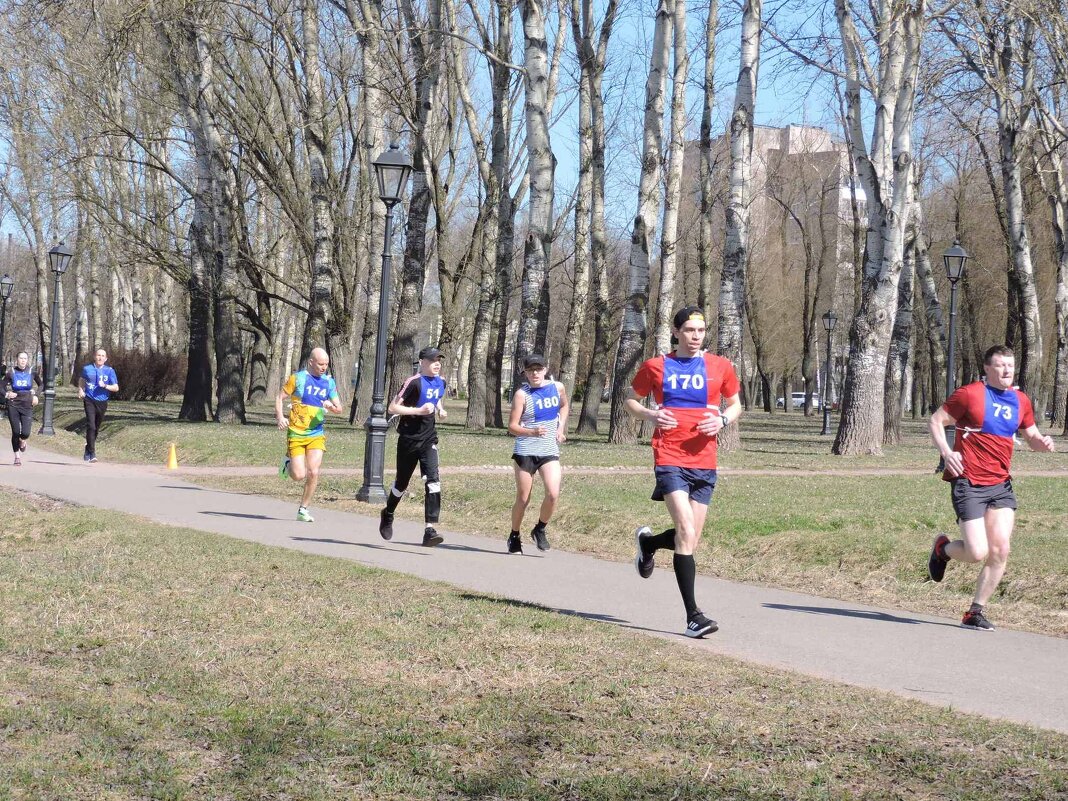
663, 418
1036, 441
953, 461
279, 415
398, 406
565, 410
81, 384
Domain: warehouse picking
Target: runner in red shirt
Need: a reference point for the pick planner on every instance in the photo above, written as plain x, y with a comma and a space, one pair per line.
689, 387
987, 416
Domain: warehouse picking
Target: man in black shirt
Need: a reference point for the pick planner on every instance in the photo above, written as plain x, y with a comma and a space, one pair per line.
417, 403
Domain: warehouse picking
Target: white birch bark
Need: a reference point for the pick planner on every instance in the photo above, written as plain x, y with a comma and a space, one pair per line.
635, 314
541, 165
669, 237
885, 171
732, 284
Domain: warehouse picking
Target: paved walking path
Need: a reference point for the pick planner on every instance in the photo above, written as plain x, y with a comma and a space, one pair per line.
1007, 674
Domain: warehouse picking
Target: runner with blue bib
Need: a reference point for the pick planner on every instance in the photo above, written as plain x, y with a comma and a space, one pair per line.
18, 389
539, 424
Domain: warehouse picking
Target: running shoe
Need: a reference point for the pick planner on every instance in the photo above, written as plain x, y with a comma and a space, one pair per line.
699, 626
538, 535
18, 460
304, 516
385, 524
515, 544
87, 457
92, 457
976, 620
936, 563
283, 471
431, 537
643, 562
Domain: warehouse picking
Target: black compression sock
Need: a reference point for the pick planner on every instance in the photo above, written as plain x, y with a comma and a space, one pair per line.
513, 533
685, 575
665, 540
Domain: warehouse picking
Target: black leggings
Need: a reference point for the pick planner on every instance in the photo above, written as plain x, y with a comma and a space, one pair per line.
427, 460
21, 422
94, 418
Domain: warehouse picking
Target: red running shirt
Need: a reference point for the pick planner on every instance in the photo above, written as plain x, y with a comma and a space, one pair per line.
987, 419
690, 388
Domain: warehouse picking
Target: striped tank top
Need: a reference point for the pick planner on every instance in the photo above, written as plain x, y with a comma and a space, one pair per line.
541, 408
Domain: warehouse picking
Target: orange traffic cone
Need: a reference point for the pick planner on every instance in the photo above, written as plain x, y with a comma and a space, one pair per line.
172, 457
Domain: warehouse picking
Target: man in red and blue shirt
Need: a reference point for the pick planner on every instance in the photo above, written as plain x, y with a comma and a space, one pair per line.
689, 387
986, 415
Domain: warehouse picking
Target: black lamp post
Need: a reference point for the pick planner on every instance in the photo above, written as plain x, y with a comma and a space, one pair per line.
830, 320
58, 259
6, 285
392, 169
954, 259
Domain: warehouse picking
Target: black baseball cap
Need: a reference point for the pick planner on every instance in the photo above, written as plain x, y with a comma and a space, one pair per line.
431, 353
534, 359
687, 313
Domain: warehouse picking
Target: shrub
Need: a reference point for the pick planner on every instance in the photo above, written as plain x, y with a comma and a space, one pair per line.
147, 376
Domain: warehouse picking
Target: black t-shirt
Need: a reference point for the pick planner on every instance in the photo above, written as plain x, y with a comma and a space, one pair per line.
418, 390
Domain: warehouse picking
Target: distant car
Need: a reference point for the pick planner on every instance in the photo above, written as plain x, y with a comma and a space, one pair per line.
798, 401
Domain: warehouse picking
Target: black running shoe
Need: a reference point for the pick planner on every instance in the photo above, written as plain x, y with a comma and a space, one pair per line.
431, 537
936, 564
699, 626
538, 535
515, 544
643, 562
385, 524
976, 620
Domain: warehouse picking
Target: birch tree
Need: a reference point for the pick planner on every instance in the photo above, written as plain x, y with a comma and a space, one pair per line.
729, 331
885, 171
635, 314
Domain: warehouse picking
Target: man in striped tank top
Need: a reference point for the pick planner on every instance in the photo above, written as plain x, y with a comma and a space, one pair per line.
539, 424
689, 387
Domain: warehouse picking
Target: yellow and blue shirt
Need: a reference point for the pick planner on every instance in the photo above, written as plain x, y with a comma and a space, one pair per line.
307, 395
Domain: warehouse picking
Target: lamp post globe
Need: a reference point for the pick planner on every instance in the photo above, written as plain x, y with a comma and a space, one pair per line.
830, 320
392, 169
58, 260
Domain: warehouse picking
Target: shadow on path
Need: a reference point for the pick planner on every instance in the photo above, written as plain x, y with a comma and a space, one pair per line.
240, 514
329, 541
863, 614
448, 546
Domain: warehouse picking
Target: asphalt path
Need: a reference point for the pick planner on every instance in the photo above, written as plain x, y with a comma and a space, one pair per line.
1012, 675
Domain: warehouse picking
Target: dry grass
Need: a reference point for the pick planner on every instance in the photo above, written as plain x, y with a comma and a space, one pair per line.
144, 662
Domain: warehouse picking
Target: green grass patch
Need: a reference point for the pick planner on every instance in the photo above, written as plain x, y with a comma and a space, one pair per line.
139, 661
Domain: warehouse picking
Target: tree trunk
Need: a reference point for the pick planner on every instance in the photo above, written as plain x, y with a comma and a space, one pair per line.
897, 361
541, 165
669, 237
885, 174
706, 266
633, 331
736, 248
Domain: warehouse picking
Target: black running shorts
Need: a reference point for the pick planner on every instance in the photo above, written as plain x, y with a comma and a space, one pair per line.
970, 502
532, 464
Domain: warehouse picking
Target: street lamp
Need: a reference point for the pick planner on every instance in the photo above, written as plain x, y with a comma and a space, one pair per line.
6, 285
954, 259
392, 169
830, 320
58, 259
